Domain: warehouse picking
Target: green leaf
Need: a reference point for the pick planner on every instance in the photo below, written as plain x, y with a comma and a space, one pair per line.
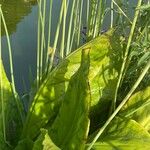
25, 144
138, 108
12, 123
123, 134
70, 129
105, 61
44, 142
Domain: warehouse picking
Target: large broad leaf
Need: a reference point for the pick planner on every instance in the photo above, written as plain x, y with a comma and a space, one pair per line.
70, 129
44, 142
105, 59
12, 123
123, 134
138, 108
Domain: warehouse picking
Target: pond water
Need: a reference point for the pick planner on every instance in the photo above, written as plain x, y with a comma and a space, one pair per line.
21, 19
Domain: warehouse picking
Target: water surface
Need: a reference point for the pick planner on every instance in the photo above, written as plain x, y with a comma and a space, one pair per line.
21, 19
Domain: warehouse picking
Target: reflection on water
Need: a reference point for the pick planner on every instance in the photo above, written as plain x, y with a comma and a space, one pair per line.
21, 20
14, 11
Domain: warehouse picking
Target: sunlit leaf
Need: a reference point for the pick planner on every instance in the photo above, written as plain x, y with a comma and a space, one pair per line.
123, 134
105, 58
70, 129
44, 142
138, 108
13, 123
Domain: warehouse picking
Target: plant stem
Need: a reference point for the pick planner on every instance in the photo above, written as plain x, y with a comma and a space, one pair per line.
63, 30
126, 54
1, 86
121, 104
11, 66
38, 45
80, 22
42, 39
56, 37
112, 14
49, 33
70, 27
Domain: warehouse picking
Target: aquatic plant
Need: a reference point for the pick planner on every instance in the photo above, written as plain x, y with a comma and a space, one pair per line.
97, 96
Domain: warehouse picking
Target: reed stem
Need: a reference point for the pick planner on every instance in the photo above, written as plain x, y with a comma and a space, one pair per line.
1, 86
121, 105
126, 54
11, 66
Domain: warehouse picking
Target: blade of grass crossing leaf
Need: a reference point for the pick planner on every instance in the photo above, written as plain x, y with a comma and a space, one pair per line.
11, 66
121, 104
126, 54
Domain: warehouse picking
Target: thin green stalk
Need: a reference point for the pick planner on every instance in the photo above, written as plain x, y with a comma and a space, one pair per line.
11, 66
49, 33
56, 37
72, 40
112, 14
98, 18
76, 22
126, 54
137, 109
95, 19
70, 28
74, 32
38, 46
42, 39
121, 105
123, 13
63, 30
87, 12
80, 23
1, 87
91, 19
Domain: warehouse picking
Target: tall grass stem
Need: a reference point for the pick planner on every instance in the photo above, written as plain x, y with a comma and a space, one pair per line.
126, 54
1, 86
11, 66
121, 104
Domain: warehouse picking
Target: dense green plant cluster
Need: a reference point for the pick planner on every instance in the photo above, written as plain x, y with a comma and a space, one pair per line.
96, 97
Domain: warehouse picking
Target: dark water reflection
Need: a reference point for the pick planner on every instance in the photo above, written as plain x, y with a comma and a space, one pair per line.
21, 20
14, 11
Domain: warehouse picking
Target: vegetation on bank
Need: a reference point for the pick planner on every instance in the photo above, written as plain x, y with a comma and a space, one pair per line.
91, 94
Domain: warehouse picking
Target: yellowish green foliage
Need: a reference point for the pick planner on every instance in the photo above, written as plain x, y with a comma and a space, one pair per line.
44, 142
12, 122
105, 57
123, 134
138, 108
